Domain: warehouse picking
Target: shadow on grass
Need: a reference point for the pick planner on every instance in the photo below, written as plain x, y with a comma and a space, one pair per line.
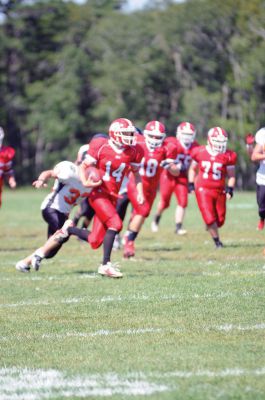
238, 245
26, 249
158, 249
85, 272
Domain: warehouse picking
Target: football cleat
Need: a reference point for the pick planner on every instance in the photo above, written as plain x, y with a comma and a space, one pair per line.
260, 226
22, 266
36, 261
110, 269
181, 231
128, 250
219, 245
63, 232
154, 227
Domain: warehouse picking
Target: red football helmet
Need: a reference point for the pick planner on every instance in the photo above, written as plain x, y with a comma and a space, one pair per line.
122, 131
186, 133
154, 133
217, 140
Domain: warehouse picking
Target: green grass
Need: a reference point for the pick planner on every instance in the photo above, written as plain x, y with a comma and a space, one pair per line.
186, 321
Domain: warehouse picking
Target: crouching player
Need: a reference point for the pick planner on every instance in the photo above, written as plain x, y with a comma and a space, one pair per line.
67, 191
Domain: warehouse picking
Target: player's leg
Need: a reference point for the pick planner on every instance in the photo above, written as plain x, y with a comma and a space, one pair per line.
206, 199
106, 225
54, 218
221, 209
166, 188
85, 210
260, 192
121, 207
140, 213
181, 193
48, 250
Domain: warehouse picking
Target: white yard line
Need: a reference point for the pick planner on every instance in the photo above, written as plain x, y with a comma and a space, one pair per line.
26, 384
226, 328
39, 384
141, 297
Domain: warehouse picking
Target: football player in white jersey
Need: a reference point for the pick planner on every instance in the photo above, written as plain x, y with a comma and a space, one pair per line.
67, 192
255, 147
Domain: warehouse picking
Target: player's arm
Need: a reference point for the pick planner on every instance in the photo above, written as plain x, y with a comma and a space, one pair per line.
191, 175
43, 178
12, 181
139, 186
231, 181
258, 153
171, 166
86, 181
10, 175
249, 141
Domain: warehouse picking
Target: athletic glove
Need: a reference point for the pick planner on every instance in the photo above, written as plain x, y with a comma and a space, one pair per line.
229, 190
191, 187
166, 163
249, 139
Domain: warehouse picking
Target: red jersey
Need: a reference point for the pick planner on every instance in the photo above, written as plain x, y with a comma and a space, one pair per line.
150, 165
212, 168
6, 156
112, 162
181, 155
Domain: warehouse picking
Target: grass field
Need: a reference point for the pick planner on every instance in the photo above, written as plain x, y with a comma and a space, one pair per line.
186, 321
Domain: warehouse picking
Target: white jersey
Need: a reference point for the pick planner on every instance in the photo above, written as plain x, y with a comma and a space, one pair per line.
260, 175
67, 190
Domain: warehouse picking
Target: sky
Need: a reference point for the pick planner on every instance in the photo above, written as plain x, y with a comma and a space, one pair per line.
132, 5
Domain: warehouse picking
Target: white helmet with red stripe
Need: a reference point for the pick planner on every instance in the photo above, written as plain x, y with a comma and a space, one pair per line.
217, 140
122, 131
154, 134
186, 133
2, 135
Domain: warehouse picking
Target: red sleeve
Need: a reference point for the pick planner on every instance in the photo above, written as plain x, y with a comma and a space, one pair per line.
232, 157
9, 153
194, 153
171, 146
94, 147
137, 157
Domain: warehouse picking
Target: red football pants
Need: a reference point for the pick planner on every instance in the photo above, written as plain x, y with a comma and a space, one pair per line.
212, 205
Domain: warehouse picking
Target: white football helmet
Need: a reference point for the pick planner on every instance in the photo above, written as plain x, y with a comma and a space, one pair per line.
154, 134
260, 136
2, 135
122, 132
217, 140
186, 133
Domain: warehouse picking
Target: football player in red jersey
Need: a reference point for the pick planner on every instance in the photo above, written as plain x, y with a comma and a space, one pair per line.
215, 181
155, 156
113, 157
7, 154
169, 184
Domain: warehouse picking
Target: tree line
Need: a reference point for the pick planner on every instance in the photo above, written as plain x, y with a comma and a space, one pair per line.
67, 70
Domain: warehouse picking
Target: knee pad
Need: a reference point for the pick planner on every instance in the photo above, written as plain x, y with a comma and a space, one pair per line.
115, 223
